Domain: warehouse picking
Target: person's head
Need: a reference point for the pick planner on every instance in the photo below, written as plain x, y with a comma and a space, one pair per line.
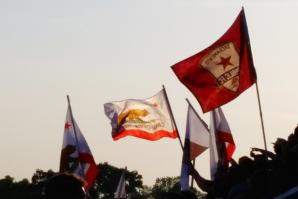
279, 145
64, 186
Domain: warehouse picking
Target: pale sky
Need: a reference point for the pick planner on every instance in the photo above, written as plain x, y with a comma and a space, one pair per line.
99, 51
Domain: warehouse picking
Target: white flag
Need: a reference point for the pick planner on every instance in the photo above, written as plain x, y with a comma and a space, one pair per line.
196, 142
121, 189
144, 118
222, 145
76, 156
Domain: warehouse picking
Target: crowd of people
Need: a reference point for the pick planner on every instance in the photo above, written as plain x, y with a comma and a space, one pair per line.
262, 175
63, 186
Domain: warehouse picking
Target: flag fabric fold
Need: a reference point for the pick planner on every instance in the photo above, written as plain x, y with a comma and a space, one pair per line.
76, 156
197, 132
121, 188
222, 145
222, 71
196, 142
149, 119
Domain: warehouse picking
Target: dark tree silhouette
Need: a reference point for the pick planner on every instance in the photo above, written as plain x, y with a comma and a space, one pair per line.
14, 190
108, 179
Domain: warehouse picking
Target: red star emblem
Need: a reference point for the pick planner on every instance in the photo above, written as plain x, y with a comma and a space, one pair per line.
67, 125
225, 62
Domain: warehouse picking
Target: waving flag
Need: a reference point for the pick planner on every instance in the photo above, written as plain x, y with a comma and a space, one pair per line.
197, 133
148, 119
76, 156
222, 71
222, 145
196, 142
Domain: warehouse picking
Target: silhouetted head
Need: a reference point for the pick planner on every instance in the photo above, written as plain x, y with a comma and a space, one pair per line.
296, 131
64, 186
279, 144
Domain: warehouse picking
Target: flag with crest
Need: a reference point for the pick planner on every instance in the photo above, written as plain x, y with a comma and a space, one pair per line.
222, 71
149, 119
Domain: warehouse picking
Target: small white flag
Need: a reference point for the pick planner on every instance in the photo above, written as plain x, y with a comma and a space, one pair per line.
196, 142
121, 188
76, 156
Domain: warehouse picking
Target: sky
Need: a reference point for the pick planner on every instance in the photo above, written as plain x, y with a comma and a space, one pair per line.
100, 51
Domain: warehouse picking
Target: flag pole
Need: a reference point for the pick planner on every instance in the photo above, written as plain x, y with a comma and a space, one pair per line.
81, 169
213, 142
171, 112
257, 88
261, 116
192, 178
203, 122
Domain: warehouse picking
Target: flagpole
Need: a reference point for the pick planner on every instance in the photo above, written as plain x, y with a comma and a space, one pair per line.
81, 169
192, 178
261, 116
214, 142
257, 88
171, 112
203, 122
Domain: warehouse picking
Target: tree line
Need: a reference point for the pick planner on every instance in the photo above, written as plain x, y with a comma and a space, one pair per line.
104, 187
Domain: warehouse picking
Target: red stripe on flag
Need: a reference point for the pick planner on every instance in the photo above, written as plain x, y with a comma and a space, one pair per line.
230, 146
86, 158
91, 173
145, 135
90, 176
230, 150
225, 137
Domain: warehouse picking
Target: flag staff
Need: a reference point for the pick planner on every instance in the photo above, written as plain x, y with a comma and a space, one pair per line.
75, 134
171, 112
257, 88
261, 116
203, 122
192, 178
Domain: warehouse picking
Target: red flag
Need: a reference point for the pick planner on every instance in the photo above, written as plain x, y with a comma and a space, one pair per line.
76, 156
222, 71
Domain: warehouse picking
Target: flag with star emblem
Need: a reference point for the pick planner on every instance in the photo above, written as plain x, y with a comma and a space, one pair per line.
76, 156
222, 71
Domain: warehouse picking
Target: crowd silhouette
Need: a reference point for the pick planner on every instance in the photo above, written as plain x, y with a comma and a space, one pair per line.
263, 175
64, 186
